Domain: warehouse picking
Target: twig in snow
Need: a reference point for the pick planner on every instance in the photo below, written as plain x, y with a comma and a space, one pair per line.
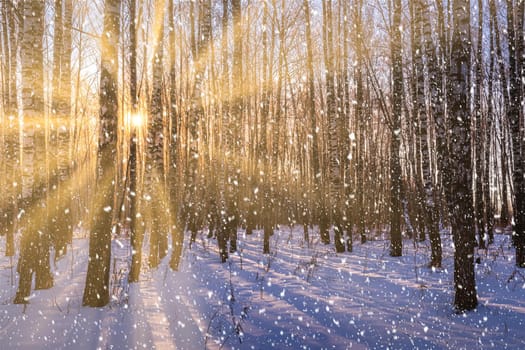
232, 296
12, 273
271, 257
215, 314
56, 304
311, 267
72, 258
513, 275
240, 255
415, 260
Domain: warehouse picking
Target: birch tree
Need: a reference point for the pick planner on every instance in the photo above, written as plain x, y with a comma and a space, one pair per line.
96, 291
35, 241
425, 45
60, 125
155, 140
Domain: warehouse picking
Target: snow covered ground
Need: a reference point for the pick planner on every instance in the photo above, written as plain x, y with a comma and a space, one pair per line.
297, 297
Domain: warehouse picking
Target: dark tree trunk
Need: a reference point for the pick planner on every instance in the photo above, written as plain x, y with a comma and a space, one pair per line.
360, 118
515, 111
222, 234
487, 181
477, 85
237, 109
316, 171
347, 140
504, 210
396, 243
459, 173
61, 223
311, 97
265, 111
155, 156
136, 231
177, 236
96, 291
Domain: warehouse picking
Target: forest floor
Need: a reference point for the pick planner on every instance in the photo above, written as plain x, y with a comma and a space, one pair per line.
296, 297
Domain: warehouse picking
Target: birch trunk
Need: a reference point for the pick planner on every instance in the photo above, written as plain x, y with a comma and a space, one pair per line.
96, 291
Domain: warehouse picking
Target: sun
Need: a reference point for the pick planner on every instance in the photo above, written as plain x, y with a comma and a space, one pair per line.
137, 120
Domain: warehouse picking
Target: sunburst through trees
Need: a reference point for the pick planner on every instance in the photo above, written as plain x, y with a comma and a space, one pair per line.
153, 120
